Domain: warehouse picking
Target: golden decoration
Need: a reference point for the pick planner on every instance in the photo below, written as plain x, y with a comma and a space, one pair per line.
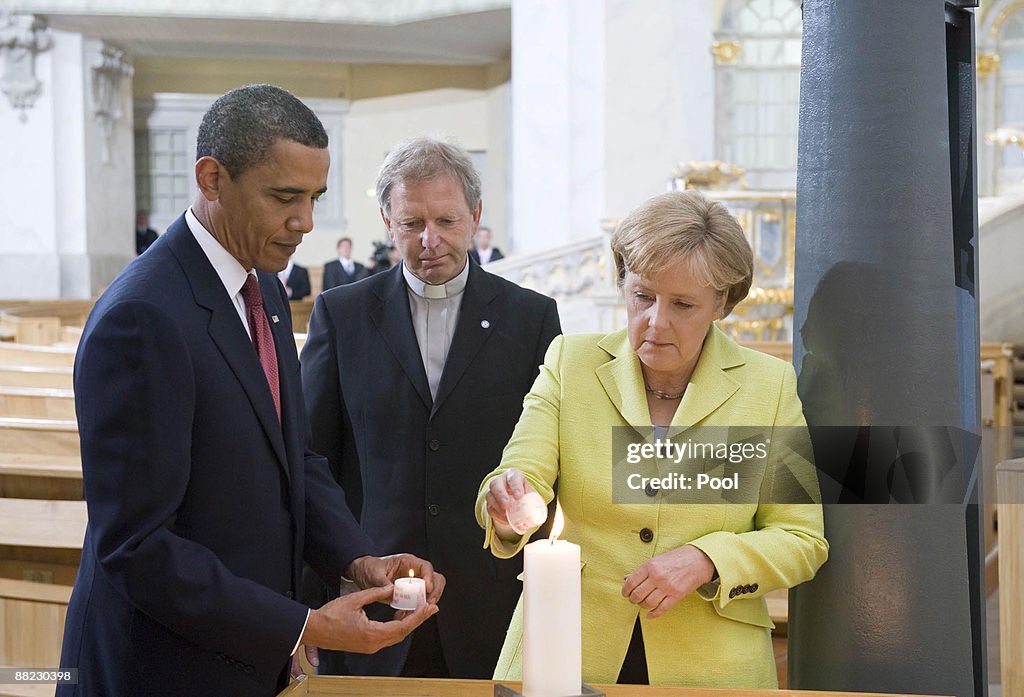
997, 24
1005, 135
987, 64
713, 176
725, 52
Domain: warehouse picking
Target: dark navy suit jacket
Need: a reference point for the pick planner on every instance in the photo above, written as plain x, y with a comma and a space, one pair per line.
411, 465
201, 504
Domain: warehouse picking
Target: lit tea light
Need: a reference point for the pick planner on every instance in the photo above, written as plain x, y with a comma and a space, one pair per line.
409, 593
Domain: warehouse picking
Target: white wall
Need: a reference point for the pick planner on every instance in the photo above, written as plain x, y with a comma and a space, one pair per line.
474, 118
607, 97
66, 216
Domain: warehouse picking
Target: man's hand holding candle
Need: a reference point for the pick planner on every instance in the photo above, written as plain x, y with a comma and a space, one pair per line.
368, 572
342, 624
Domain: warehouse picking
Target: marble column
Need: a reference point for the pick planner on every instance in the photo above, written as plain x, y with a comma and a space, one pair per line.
66, 185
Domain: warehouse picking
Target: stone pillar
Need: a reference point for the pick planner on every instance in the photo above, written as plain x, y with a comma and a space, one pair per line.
607, 97
886, 344
67, 209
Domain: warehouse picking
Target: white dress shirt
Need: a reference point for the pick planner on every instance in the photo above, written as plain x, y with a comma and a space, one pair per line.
283, 277
435, 314
348, 265
233, 276
485, 255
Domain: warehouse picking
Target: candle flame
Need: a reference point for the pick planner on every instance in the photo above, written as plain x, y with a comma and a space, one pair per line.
558, 524
411, 574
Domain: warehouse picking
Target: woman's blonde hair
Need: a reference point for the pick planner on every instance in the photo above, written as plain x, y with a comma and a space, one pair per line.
684, 227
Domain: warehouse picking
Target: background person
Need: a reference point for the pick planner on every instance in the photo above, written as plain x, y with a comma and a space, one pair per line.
343, 270
295, 280
482, 252
144, 234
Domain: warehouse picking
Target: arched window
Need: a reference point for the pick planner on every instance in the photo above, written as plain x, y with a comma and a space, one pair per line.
757, 82
1010, 94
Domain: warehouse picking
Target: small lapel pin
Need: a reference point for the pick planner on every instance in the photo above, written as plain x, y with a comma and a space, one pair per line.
274, 319
485, 324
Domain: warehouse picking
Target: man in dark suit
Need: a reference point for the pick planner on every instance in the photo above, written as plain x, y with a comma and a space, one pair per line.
414, 380
482, 252
343, 270
145, 236
202, 498
295, 279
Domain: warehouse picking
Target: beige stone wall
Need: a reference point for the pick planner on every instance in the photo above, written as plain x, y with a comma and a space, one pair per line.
310, 78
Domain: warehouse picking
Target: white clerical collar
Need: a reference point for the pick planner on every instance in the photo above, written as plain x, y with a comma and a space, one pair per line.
444, 290
230, 272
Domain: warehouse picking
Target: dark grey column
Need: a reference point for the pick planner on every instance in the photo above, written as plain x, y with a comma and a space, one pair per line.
886, 339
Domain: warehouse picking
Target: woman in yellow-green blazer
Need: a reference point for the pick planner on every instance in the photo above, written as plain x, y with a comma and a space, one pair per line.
673, 593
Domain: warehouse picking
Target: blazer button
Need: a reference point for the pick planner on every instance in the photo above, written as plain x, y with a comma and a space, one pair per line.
732, 593
753, 588
646, 535
433, 509
434, 445
650, 490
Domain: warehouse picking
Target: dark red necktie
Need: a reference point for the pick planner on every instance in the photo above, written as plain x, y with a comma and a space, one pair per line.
262, 338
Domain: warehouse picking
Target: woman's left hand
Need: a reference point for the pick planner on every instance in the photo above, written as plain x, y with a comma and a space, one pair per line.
664, 580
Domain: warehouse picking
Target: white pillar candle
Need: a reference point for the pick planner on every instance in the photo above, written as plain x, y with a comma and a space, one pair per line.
552, 652
409, 593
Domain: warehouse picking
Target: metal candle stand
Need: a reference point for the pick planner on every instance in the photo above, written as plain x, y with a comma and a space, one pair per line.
504, 691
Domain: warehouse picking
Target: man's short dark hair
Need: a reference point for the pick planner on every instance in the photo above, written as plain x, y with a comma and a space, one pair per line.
242, 125
344, 239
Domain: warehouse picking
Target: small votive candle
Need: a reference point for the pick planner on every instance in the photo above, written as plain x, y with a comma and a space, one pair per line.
409, 593
527, 513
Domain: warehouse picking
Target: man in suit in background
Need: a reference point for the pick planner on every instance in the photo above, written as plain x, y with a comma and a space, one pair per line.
414, 381
144, 234
343, 270
295, 280
203, 500
483, 252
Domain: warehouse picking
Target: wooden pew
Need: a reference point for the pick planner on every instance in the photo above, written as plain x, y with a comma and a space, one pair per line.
40, 550
38, 436
29, 354
30, 330
41, 476
39, 459
41, 321
37, 403
1010, 485
55, 377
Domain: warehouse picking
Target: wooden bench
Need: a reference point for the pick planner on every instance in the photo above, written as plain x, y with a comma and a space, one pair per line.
55, 377
40, 550
33, 355
39, 436
40, 476
1010, 485
37, 403
41, 321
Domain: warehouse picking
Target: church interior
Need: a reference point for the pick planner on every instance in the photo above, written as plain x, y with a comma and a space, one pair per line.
573, 111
